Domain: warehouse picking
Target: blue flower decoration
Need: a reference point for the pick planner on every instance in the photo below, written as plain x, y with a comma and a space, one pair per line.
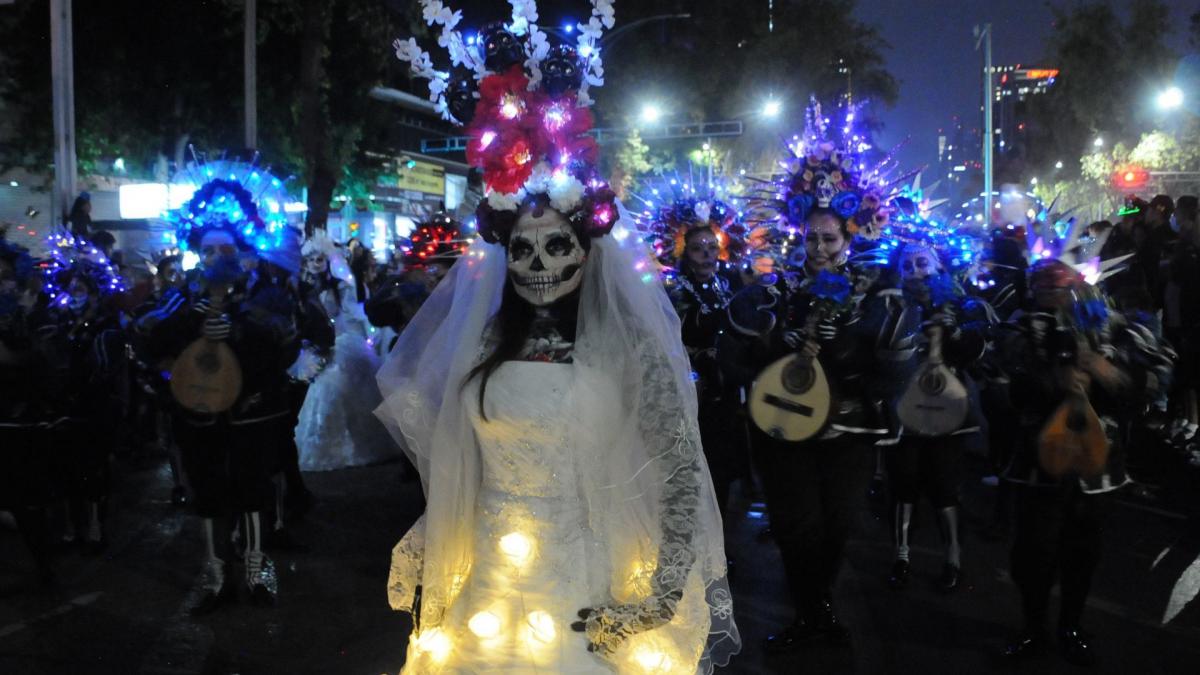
831, 286
942, 290
846, 203
1090, 315
799, 206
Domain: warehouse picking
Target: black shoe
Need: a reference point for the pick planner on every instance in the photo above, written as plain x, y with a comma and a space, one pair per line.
951, 576
212, 600
898, 579
827, 623
791, 638
1075, 647
1026, 646
179, 496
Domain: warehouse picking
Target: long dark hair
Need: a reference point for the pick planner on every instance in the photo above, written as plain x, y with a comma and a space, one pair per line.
510, 328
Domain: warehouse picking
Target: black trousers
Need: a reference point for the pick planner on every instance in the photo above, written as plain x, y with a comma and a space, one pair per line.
724, 441
814, 493
229, 465
926, 466
1058, 537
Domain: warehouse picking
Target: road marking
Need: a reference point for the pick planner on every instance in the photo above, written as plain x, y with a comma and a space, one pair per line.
81, 601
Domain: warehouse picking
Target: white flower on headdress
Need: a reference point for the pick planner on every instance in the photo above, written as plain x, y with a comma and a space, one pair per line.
604, 10
538, 49
566, 192
434, 12
703, 211
539, 179
591, 31
506, 201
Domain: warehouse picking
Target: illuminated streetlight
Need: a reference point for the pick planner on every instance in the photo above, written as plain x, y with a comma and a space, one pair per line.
1099, 142
651, 113
772, 108
1170, 99
1033, 181
1058, 164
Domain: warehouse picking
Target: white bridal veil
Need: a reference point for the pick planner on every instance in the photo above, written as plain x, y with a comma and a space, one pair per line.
644, 480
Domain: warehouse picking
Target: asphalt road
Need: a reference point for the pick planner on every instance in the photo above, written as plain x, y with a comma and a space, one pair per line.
126, 611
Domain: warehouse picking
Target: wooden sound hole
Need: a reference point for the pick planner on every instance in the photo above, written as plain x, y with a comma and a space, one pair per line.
798, 377
932, 383
208, 362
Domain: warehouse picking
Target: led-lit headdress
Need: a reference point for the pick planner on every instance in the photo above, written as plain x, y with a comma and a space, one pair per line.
238, 197
912, 226
524, 105
829, 170
438, 239
1058, 236
667, 228
69, 257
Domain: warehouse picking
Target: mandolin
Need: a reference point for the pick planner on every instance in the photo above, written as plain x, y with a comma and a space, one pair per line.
935, 401
790, 400
1073, 439
206, 377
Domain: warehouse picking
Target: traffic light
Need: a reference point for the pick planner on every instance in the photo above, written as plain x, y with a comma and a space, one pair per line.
1131, 178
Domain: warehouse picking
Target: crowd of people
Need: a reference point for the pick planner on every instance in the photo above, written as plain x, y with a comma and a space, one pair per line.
580, 388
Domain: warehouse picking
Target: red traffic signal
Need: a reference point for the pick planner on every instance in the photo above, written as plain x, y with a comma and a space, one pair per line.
1131, 178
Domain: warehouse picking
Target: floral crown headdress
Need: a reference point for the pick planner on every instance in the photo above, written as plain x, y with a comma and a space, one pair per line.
524, 105
238, 197
69, 257
831, 172
668, 226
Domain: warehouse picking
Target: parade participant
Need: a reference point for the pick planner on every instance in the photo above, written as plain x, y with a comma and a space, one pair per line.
335, 428
26, 470
1181, 319
813, 486
1074, 365
701, 282
926, 320
229, 327
78, 330
429, 253
544, 395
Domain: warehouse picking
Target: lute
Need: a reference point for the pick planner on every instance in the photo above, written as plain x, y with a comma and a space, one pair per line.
935, 401
206, 377
790, 400
1073, 439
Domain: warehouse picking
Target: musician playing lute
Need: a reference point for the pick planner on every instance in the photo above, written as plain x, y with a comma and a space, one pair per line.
1068, 343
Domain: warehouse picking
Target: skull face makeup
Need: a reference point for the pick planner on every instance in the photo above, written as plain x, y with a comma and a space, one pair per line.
544, 258
917, 263
316, 265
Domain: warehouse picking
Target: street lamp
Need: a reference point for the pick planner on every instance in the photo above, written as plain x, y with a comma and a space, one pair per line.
772, 108
651, 113
1058, 164
1099, 142
1170, 99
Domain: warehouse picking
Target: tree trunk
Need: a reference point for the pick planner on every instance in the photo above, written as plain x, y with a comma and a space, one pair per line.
313, 124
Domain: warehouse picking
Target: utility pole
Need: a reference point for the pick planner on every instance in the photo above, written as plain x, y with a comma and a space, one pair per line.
250, 51
62, 84
985, 35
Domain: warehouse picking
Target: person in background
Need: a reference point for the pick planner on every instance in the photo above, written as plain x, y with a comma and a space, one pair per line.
1181, 323
80, 217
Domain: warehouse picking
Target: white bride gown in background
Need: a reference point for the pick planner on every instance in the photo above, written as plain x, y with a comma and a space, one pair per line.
337, 428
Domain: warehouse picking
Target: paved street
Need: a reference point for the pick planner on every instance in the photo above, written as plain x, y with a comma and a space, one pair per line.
125, 612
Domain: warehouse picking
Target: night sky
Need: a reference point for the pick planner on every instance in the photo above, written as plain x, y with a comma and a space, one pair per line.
939, 70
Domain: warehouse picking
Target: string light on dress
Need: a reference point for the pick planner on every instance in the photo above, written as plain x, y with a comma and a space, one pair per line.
517, 547
484, 624
435, 643
541, 628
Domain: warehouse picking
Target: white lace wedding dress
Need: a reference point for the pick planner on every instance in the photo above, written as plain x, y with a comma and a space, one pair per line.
336, 428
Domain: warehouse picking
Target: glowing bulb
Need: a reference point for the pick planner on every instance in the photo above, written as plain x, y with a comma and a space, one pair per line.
516, 546
541, 626
652, 660
486, 139
485, 625
434, 642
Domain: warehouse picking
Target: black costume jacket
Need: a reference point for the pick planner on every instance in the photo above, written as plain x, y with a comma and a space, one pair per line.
702, 312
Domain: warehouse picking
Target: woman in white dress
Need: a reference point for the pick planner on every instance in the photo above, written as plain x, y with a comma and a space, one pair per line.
336, 428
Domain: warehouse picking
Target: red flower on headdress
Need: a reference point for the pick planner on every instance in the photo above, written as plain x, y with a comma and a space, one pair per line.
514, 129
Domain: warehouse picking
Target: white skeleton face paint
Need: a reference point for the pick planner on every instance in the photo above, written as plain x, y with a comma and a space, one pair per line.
544, 258
918, 263
316, 264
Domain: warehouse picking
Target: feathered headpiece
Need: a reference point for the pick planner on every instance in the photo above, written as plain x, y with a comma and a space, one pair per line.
524, 106
1057, 236
69, 257
830, 172
320, 243
238, 197
437, 239
667, 228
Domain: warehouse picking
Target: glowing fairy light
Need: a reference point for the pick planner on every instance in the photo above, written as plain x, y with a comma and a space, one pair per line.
484, 625
517, 547
510, 106
435, 643
541, 627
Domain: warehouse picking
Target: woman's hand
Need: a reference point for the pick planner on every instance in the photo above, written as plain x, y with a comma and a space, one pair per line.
609, 626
